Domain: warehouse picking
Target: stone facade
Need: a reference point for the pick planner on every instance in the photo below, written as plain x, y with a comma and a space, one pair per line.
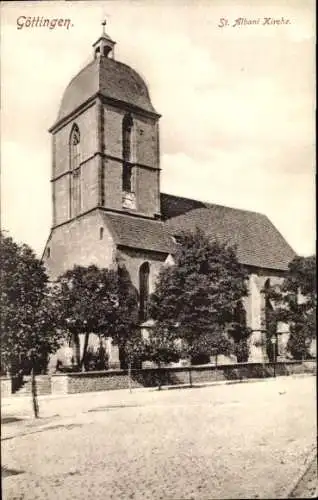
79, 242
256, 311
101, 162
61, 168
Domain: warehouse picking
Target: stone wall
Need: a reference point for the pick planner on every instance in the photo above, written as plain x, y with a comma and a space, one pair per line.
79, 242
87, 123
256, 312
145, 136
133, 259
144, 154
151, 377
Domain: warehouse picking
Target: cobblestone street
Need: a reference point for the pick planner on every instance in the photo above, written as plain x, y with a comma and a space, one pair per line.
231, 441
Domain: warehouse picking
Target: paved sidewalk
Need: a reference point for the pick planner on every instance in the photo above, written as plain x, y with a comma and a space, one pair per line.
225, 441
73, 404
54, 408
306, 484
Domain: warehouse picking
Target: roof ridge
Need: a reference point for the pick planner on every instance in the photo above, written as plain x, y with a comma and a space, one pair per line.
135, 216
208, 204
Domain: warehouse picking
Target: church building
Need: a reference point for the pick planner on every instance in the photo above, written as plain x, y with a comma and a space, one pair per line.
107, 204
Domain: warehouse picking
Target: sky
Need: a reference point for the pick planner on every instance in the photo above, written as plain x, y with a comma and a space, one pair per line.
237, 102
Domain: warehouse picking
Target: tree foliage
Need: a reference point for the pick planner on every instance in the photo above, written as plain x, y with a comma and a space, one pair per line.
28, 315
198, 296
161, 346
300, 300
296, 303
100, 301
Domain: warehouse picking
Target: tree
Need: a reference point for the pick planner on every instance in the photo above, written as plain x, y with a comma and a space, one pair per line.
161, 347
300, 299
296, 301
94, 300
134, 352
127, 334
196, 298
28, 316
239, 332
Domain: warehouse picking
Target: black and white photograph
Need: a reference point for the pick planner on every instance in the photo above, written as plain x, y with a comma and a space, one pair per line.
158, 250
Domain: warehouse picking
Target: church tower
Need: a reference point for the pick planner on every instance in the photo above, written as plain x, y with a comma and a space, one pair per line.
105, 142
105, 165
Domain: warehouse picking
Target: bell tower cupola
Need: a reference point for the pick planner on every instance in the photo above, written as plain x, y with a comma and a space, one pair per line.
104, 46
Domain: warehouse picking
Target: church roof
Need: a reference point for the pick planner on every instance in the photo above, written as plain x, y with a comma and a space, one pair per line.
258, 242
111, 79
138, 232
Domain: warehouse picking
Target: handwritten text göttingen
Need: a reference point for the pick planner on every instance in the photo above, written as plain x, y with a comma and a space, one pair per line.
244, 21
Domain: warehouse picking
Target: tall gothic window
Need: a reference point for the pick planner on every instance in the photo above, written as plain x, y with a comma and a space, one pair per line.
144, 272
127, 167
268, 308
75, 159
75, 147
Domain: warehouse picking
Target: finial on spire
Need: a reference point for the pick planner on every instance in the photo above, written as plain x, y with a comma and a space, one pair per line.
104, 46
104, 22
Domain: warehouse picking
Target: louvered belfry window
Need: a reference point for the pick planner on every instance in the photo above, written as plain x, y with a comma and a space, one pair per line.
127, 167
75, 160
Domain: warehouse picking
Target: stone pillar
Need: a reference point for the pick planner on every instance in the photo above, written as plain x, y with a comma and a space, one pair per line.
257, 342
52, 363
313, 348
6, 387
282, 337
113, 355
146, 328
59, 384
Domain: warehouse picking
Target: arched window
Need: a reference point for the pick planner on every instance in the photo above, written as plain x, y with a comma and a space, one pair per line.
127, 167
75, 160
75, 147
144, 272
106, 50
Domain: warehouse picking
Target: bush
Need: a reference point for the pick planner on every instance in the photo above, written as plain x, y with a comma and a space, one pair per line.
96, 360
241, 351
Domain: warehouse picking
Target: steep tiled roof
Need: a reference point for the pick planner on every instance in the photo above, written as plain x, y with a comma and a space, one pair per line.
258, 242
137, 232
110, 78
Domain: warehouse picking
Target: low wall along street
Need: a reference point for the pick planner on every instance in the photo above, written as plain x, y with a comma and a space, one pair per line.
72, 383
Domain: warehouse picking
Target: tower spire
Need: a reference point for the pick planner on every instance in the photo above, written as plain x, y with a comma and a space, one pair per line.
104, 46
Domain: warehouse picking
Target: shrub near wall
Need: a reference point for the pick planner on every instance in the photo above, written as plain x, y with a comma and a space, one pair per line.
72, 383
